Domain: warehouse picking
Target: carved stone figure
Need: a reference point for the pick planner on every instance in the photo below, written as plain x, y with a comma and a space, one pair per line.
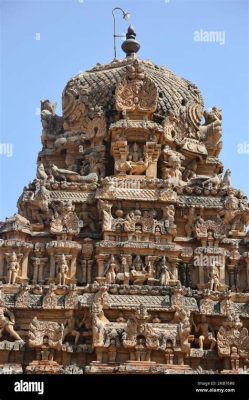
47, 112
165, 275
211, 131
86, 216
213, 277
233, 341
62, 268
205, 332
41, 173
71, 329
65, 220
13, 266
7, 322
105, 210
190, 217
138, 274
184, 328
111, 271
212, 183
46, 337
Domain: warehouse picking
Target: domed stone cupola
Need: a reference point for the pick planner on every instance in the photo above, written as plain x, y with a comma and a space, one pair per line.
128, 212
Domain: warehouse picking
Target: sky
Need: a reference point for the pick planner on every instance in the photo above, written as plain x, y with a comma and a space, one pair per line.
43, 43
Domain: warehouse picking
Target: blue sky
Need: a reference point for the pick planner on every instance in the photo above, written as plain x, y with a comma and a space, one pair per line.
75, 34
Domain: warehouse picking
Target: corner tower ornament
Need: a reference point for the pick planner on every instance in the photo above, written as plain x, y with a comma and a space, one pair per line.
129, 251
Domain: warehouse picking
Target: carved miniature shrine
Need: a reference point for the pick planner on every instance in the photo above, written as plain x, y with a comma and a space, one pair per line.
129, 251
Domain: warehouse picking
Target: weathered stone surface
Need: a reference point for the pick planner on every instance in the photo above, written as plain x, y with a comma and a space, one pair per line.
129, 251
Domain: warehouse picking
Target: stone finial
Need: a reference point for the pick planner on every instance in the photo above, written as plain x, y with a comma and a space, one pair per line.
130, 45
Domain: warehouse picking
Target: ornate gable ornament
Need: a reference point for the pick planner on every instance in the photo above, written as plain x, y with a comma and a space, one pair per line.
137, 92
232, 333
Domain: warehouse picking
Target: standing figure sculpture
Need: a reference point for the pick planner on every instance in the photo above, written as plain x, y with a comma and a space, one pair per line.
13, 266
165, 274
62, 270
213, 281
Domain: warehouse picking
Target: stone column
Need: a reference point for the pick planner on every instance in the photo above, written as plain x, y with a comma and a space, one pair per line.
222, 273
73, 267
41, 270
24, 270
35, 273
1, 264
89, 271
101, 266
230, 269
83, 271
246, 257
52, 268
174, 268
201, 274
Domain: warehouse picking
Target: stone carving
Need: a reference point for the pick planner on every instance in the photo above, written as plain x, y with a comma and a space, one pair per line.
138, 273
62, 268
190, 170
105, 210
233, 341
211, 131
139, 336
205, 333
111, 271
7, 322
210, 231
165, 273
13, 266
50, 298
45, 336
171, 165
71, 329
184, 329
22, 298
64, 175
41, 173
184, 270
50, 121
136, 92
99, 321
95, 129
190, 219
65, 220
131, 222
38, 269
213, 277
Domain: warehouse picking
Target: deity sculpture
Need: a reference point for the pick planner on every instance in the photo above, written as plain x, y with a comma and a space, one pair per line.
165, 274
205, 333
62, 269
213, 277
111, 271
138, 274
71, 328
13, 266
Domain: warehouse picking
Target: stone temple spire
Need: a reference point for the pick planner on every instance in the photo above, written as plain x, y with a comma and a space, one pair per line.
130, 45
